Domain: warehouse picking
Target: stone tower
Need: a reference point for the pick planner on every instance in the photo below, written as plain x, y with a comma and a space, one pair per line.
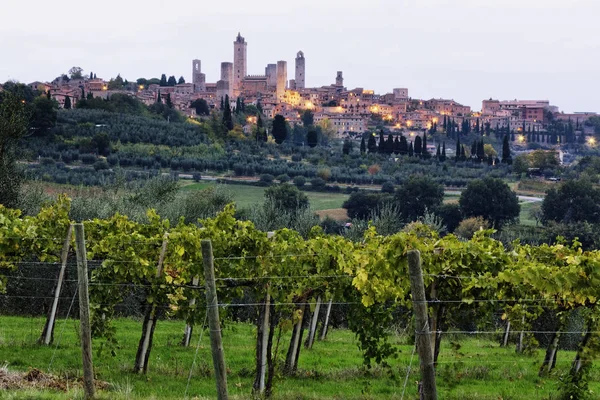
300, 70
225, 85
339, 79
239, 62
281, 79
271, 73
198, 78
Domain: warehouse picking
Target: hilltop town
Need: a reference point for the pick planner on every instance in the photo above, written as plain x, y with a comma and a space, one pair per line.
349, 111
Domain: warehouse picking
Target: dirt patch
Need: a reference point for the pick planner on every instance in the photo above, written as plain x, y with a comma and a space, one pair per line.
338, 214
36, 379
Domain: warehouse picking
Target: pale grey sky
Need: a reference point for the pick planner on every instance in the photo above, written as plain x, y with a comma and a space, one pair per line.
467, 50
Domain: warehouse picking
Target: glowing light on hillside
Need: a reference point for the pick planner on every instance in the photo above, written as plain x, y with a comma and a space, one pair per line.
521, 138
591, 141
409, 123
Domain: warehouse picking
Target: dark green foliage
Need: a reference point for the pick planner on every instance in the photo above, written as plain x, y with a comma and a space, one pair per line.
372, 144
201, 107
360, 205
43, 115
299, 181
163, 80
172, 81
417, 195
443, 156
458, 150
308, 118
287, 197
387, 187
403, 145
506, 158
410, 149
450, 214
169, 102
227, 118
14, 120
424, 153
101, 142
492, 199
381, 144
389, 144
312, 138
279, 129
363, 146
418, 146
573, 201
181, 80
67, 105
347, 146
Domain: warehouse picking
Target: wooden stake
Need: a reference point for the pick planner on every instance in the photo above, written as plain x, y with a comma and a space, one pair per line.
212, 305
189, 328
84, 312
49, 328
313, 324
326, 324
144, 347
506, 334
423, 336
265, 343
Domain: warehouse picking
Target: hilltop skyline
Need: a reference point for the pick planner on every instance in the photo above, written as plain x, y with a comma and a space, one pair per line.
525, 50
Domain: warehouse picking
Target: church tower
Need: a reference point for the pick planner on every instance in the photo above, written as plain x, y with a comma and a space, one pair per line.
239, 63
339, 79
300, 70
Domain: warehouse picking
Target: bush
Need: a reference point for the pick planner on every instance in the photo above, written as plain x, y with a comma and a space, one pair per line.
387, 187
267, 179
317, 183
467, 227
283, 178
100, 165
299, 181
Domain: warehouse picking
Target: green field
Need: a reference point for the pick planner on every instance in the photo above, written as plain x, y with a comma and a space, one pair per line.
469, 368
525, 217
247, 196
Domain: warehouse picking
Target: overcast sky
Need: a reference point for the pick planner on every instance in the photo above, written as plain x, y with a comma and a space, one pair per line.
467, 50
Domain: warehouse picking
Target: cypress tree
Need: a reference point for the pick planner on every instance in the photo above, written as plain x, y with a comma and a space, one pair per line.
480, 151
438, 153
411, 151
463, 154
67, 105
158, 98
381, 148
238, 107
477, 127
222, 103
458, 147
444, 126
372, 144
443, 151
227, 120
363, 146
163, 80
169, 102
396, 145
389, 145
49, 96
474, 149
403, 145
424, 151
505, 151
181, 80
417, 146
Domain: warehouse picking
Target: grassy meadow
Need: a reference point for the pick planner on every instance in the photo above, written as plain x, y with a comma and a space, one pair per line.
469, 368
247, 196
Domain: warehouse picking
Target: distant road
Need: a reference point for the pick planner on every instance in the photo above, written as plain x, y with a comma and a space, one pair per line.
524, 199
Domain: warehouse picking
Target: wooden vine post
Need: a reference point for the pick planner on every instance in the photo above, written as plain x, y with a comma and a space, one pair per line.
145, 344
326, 323
428, 388
212, 304
84, 312
187, 336
48, 332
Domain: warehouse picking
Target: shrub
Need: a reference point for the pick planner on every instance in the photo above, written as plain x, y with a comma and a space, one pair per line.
387, 187
299, 181
283, 178
267, 179
317, 183
467, 227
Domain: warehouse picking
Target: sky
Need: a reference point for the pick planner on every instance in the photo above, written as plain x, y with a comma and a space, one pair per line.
466, 50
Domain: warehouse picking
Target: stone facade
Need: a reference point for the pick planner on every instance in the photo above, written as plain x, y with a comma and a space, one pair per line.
239, 62
281, 79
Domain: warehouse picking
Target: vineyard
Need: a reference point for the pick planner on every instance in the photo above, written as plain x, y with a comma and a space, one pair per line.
477, 291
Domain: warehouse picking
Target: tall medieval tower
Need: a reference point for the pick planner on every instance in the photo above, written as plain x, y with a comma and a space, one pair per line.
281, 79
239, 62
300, 70
339, 79
198, 78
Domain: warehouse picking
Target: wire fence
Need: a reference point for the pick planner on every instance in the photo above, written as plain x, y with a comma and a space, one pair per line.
30, 291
